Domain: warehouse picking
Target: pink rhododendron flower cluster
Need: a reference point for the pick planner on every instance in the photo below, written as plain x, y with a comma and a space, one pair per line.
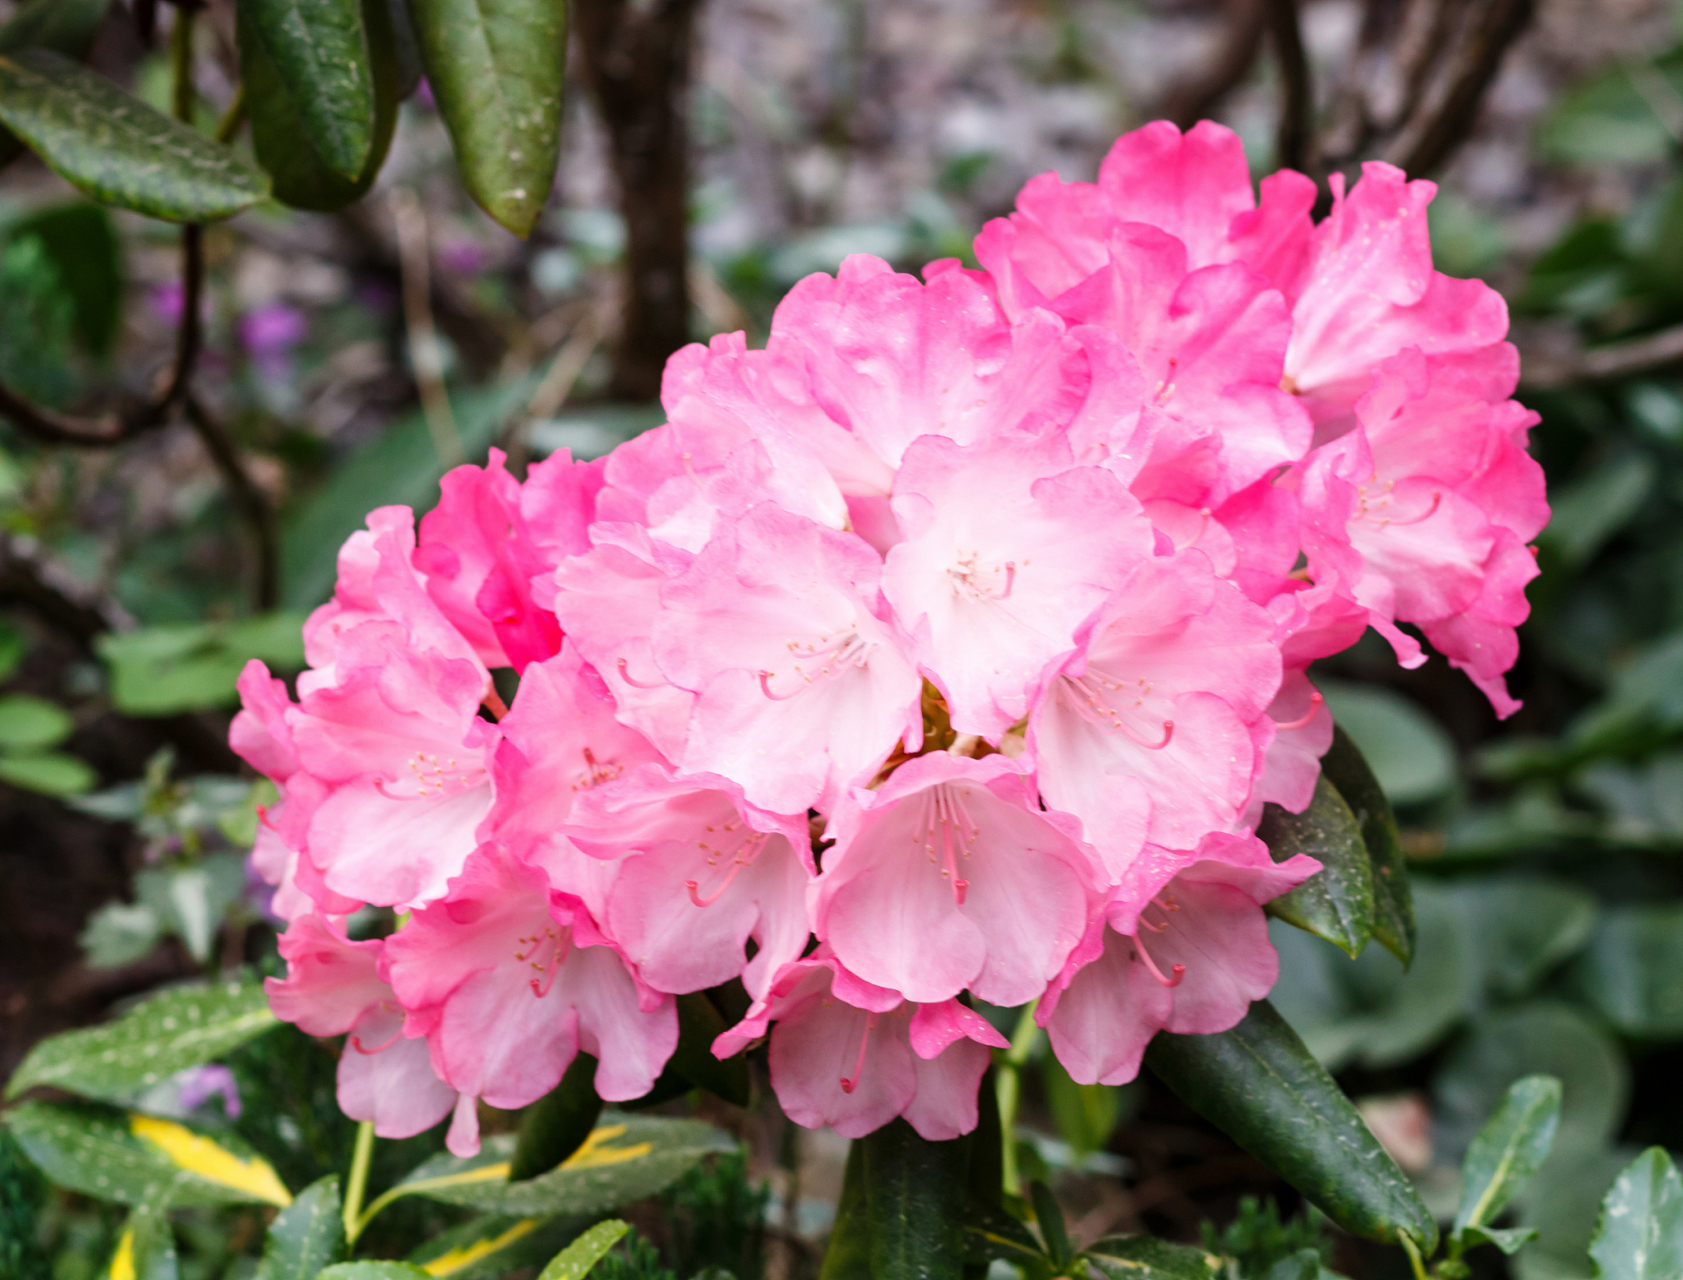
944, 650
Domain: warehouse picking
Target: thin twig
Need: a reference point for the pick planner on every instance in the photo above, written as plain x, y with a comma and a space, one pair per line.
1202, 93
425, 350
247, 495
1295, 139
1605, 363
233, 117
1481, 58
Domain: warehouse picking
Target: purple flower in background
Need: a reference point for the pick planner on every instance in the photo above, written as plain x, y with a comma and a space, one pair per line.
165, 301
462, 257
197, 1084
269, 333
423, 93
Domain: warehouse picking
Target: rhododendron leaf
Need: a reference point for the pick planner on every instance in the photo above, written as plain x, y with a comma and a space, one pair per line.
1393, 902
1147, 1258
1259, 1084
320, 53
576, 1260
625, 1158
699, 1025
848, 1257
495, 67
1336, 903
991, 1233
557, 1124
309, 1234
117, 149
493, 1245
914, 1202
1049, 1217
64, 26
1640, 1234
181, 1027
130, 1158
303, 176
1510, 1147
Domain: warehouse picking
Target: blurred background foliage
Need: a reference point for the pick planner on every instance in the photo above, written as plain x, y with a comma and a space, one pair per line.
354, 355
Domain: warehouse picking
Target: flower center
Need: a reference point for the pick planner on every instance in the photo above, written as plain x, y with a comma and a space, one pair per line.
741, 855
1094, 694
1373, 509
1167, 906
596, 772
544, 951
437, 777
947, 832
814, 661
974, 581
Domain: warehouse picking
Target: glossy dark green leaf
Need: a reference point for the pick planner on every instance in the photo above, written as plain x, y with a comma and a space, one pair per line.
131, 1159
302, 176
1148, 1258
1259, 1084
115, 148
1393, 902
990, 1233
626, 1158
914, 1201
64, 26
848, 1257
1640, 1235
178, 1028
1508, 1239
496, 1244
1049, 1217
1630, 969
496, 67
308, 1234
575, 1261
320, 55
1336, 903
699, 1024
557, 1124
82, 245
1510, 1147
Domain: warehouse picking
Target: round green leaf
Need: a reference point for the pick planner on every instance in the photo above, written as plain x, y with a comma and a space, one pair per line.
32, 724
1413, 758
496, 67
1630, 969
53, 774
118, 150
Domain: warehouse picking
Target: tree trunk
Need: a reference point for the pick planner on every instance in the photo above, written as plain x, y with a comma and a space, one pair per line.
637, 64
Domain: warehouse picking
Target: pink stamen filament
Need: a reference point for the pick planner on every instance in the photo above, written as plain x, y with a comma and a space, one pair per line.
1427, 514
1102, 713
541, 987
495, 704
625, 675
850, 1083
1010, 579
356, 1043
765, 688
1179, 970
742, 857
1315, 701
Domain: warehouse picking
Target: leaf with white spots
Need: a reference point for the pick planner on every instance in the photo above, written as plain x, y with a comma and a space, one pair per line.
137, 1159
1640, 1235
181, 1027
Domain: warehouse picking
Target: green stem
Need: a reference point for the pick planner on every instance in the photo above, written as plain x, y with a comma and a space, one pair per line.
233, 117
1414, 1258
1007, 1088
181, 62
356, 1185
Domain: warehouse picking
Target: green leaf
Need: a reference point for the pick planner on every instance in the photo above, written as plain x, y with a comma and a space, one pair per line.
1259, 1084
146, 1248
1629, 969
576, 1260
64, 26
132, 1158
193, 901
914, 1200
1305, 1264
1393, 902
1409, 753
1086, 1114
699, 1024
1541, 1037
32, 724
559, 1123
1510, 1147
118, 934
991, 1233
847, 1256
372, 1271
194, 666
626, 1158
81, 243
52, 774
495, 1244
115, 148
12, 649
302, 176
1640, 1235
1049, 1217
181, 1027
1563, 1204
495, 67
309, 1234
1336, 903
1508, 1239
1147, 1258
320, 54
1523, 926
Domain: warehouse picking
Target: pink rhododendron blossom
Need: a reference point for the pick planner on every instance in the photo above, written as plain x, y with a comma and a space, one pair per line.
947, 649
